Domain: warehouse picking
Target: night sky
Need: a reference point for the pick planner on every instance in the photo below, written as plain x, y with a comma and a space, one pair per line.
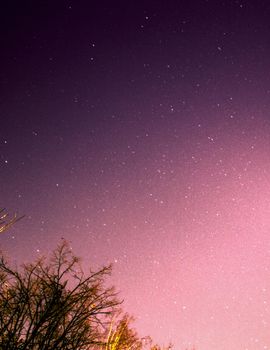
140, 133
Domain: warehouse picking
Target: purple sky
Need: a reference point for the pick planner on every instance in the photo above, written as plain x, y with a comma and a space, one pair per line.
141, 134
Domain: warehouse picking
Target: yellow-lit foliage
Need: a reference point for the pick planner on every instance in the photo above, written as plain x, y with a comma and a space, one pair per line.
5, 221
122, 337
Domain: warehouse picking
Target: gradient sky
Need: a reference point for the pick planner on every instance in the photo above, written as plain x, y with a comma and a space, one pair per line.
140, 132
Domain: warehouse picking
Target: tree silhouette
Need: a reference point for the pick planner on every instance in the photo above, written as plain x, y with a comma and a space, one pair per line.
52, 304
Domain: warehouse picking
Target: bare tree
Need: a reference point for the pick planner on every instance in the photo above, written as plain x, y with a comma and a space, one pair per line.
51, 304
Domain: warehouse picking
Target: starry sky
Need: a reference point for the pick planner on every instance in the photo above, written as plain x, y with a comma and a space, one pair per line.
139, 132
